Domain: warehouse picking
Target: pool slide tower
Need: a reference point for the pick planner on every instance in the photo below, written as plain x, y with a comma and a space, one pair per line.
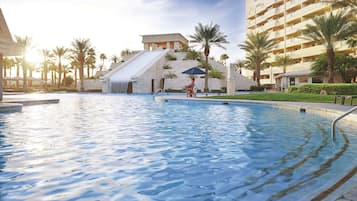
140, 74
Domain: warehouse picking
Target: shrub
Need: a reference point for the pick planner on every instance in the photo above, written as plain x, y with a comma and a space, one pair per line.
214, 73
331, 89
170, 75
293, 89
68, 81
170, 57
166, 66
256, 88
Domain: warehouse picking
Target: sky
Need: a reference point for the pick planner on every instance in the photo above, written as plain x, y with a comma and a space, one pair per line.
114, 25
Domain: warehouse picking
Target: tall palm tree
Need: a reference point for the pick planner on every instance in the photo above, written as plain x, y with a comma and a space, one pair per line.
330, 29
283, 61
224, 58
115, 59
74, 66
208, 35
90, 60
239, 64
53, 68
257, 47
103, 57
46, 56
59, 52
24, 43
80, 49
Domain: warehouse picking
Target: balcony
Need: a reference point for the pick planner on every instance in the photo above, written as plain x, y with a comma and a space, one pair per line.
272, 2
310, 51
260, 19
293, 29
292, 3
294, 15
293, 42
313, 8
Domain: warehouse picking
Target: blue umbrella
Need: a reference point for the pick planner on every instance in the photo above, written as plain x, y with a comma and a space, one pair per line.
194, 71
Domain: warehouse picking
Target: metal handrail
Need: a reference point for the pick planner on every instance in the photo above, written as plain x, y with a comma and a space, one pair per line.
333, 124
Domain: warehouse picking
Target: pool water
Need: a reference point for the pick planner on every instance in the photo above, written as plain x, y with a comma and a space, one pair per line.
128, 147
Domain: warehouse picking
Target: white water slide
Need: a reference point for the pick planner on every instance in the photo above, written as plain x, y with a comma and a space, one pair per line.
133, 68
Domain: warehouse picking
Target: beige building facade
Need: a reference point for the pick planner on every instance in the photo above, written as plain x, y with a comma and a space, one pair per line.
284, 20
174, 41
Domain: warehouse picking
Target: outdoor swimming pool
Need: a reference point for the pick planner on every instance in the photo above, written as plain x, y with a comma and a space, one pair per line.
120, 147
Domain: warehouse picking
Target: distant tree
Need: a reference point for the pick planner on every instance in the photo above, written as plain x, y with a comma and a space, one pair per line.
18, 63
103, 57
330, 29
257, 47
215, 73
90, 61
224, 58
283, 61
80, 49
208, 35
126, 52
59, 52
115, 59
239, 64
344, 64
46, 60
24, 43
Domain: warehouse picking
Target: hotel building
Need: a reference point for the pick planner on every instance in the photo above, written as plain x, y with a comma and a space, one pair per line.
284, 20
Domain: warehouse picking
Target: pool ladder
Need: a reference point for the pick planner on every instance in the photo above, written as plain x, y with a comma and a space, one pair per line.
333, 124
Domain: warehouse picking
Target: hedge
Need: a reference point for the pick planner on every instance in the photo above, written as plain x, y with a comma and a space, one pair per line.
331, 89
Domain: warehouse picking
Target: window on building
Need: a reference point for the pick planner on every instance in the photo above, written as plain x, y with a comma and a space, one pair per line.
317, 80
292, 81
303, 79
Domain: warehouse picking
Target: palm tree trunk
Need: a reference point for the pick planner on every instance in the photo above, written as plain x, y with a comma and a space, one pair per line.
75, 77
88, 73
284, 69
59, 72
24, 72
205, 90
30, 80
17, 75
5, 81
45, 75
81, 77
330, 57
258, 73
52, 78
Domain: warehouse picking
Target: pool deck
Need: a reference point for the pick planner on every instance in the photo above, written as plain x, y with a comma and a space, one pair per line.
8, 105
342, 190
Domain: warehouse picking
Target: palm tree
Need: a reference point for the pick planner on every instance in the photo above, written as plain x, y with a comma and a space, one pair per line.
115, 59
46, 56
283, 61
224, 58
60, 52
330, 29
24, 43
74, 66
208, 35
80, 49
18, 63
257, 47
239, 64
90, 61
103, 57
7, 64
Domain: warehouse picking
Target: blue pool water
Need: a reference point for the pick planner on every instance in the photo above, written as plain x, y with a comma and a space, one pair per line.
120, 147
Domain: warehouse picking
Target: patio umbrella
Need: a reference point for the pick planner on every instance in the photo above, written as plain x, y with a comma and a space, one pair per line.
194, 71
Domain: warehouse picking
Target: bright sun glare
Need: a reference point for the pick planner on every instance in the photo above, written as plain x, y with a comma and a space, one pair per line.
33, 56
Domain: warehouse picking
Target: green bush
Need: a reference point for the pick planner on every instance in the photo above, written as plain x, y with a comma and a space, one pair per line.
170, 57
293, 89
166, 66
331, 89
256, 88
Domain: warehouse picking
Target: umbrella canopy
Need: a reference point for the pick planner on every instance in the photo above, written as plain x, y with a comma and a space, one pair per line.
194, 71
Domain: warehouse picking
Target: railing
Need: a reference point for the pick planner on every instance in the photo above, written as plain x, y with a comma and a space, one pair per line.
333, 124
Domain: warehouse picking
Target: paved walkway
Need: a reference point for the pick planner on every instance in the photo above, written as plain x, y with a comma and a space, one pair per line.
333, 110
